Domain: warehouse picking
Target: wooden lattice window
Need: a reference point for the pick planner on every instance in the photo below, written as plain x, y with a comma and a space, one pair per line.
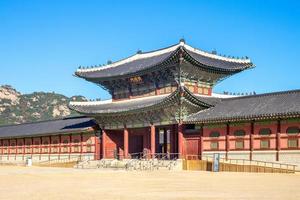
239, 144
293, 130
76, 146
191, 88
292, 143
55, 148
239, 133
20, 147
65, 147
264, 144
214, 145
5, 150
205, 91
13, 147
265, 132
28, 150
89, 143
45, 148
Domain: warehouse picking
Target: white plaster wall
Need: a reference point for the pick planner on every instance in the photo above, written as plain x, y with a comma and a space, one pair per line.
268, 156
211, 154
239, 155
292, 157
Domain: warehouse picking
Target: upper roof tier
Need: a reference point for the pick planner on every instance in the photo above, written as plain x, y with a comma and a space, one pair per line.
145, 61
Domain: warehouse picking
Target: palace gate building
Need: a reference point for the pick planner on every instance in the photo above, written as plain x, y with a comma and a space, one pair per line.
163, 103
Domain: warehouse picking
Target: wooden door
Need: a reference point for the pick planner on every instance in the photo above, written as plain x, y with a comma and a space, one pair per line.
136, 144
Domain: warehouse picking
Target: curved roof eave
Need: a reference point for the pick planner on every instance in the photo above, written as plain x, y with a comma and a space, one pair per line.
241, 64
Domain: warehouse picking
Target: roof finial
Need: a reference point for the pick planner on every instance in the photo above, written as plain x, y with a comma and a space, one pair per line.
109, 62
214, 51
139, 51
182, 40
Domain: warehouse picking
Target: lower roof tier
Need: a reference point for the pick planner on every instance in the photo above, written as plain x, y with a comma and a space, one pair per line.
214, 109
263, 106
138, 104
50, 127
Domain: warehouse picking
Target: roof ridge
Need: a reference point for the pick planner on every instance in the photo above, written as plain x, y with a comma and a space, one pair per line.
49, 120
216, 56
78, 71
264, 94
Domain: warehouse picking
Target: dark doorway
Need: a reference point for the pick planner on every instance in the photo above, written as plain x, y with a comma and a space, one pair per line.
135, 144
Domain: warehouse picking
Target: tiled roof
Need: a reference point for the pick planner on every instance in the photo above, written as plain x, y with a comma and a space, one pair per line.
115, 107
41, 128
143, 61
269, 105
126, 68
135, 104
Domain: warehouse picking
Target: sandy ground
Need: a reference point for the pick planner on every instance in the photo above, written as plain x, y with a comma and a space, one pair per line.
62, 183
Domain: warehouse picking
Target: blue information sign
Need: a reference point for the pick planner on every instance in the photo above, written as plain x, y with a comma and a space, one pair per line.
216, 162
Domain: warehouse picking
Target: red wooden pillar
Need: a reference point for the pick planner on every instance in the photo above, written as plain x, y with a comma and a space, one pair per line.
125, 142
70, 146
227, 140
201, 143
251, 140
59, 147
152, 140
180, 140
278, 139
32, 148
8, 149
40, 148
1, 150
104, 135
97, 148
50, 146
23, 148
81, 145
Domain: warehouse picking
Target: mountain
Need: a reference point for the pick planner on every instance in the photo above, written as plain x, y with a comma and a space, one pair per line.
16, 108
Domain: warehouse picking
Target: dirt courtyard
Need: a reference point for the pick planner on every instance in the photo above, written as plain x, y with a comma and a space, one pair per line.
63, 183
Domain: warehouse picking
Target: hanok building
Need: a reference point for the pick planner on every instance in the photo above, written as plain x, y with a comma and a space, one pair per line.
162, 102
73, 138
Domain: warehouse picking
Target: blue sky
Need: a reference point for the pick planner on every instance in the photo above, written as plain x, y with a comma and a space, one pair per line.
43, 42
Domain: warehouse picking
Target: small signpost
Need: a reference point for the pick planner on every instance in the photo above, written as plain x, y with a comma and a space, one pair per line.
216, 162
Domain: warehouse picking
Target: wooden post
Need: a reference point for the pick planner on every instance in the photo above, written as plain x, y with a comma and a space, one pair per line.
125, 142
40, 148
227, 140
251, 140
59, 146
8, 149
70, 146
49, 152
152, 135
81, 145
32, 148
180, 139
1, 145
278, 139
23, 148
104, 135
201, 142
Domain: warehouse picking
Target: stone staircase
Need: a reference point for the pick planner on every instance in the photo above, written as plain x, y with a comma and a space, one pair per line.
131, 164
